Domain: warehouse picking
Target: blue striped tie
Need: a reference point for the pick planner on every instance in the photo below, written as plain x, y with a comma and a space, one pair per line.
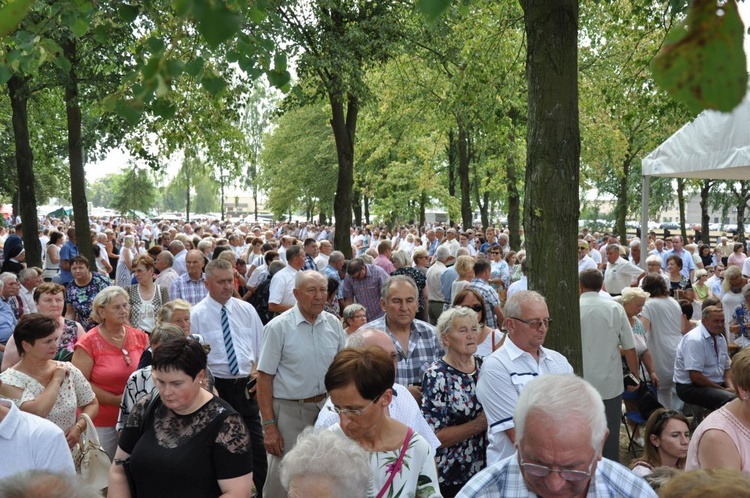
227, 332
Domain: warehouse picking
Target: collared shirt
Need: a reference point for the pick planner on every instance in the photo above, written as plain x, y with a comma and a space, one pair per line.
504, 480
403, 408
688, 264
446, 283
432, 247
282, 287
520, 285
246, 328
298, 353
309, 263
27, 296
604, 328
504, 375
7, 322
424, 349
585, 263
619, 275
697, 352
491, 300
383, 262
434, 288
179, 263
35, 443
259, 275
367, 290
67, 252
166, 278
192, 291
331, 272
321, 261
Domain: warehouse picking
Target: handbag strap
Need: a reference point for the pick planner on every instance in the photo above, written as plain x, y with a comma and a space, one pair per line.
397, 466
90, 433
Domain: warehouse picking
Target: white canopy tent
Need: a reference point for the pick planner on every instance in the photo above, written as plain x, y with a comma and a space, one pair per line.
714, 145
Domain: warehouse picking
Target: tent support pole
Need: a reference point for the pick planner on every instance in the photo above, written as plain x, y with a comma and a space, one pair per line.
644, 221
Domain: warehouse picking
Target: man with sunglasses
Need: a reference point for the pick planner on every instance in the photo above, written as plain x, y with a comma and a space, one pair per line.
604, 329
561, 427
584, 260
506, 372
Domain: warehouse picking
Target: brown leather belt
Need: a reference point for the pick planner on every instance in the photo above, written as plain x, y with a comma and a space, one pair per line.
313, 399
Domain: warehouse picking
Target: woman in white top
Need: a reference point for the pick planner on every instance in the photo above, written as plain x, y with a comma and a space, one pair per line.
50, 389
128, 252
52, 259
146, 298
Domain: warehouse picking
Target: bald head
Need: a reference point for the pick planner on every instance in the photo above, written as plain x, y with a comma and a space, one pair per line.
363, 338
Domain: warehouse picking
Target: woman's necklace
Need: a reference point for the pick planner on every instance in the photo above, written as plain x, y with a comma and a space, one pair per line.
118, 342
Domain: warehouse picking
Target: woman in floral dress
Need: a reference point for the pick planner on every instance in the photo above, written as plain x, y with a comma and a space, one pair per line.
360, 382
449, 401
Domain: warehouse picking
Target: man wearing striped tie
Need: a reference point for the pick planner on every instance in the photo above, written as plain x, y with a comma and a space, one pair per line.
298, 347
233, 330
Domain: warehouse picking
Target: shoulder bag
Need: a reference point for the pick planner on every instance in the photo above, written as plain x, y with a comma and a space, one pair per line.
91, 461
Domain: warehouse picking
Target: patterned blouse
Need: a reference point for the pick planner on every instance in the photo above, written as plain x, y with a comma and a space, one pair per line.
449, 398
81, 298
68, 341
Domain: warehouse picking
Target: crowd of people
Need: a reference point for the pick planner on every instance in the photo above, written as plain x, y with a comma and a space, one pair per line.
221, 359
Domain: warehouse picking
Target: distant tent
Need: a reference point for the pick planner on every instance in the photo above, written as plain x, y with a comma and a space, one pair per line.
60, 212
134, 213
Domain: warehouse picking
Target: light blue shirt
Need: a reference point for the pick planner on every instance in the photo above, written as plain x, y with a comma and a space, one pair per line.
7, 322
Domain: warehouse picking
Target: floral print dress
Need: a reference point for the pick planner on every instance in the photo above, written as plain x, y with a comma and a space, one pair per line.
449, 398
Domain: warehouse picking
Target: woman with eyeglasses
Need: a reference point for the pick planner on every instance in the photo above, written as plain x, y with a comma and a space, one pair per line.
353, 317
359, 382
666, 442
723, 438
107, 355
449, 401
489, 339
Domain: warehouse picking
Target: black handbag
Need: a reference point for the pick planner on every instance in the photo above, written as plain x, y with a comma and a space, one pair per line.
647, 400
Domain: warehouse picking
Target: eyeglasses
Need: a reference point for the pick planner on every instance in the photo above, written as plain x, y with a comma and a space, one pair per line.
478, 308
350, 412
537, 470
360, 317
535, 324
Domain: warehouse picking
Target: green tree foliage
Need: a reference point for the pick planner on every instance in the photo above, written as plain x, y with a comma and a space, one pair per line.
134, 190
101, 193
299, 163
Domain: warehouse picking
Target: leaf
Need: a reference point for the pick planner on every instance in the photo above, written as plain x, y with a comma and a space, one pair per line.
175, 67
194, 67
433, 8
256, 15
164, 108
278, 78
704, 63
128, 13
5, 75
63, 63
79, 27
11, 15
213, 84
130, 110
279, 61
218, 25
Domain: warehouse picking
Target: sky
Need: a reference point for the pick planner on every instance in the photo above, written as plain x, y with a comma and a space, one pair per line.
117, 159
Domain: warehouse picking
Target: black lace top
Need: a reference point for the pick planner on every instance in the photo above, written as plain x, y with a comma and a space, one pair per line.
186, 455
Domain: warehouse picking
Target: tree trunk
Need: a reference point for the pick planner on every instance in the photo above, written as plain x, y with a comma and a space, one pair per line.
344, 130
357, 207
551, 202
514, 205
741, 206
621, 208
681, 207
187, 190
366, 202
19, 97
221, 186
422, 208
463, 175
705, 220
75, 156
452, 158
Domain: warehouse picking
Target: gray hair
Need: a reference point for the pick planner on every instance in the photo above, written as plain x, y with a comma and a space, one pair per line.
218, 264
445, 322
35, 483
632, 293
27, 273
550, 395
8, 276
654, 258
325, 454
442, 253
176, 245
512, 306
168, 258
401, 258
164, 315
335, 257
397, 279
105, 297
350, 311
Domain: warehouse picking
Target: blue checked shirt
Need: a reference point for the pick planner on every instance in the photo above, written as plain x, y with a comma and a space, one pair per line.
504, 480
491, 300
309, 263
424, 349
192, 291
331, 272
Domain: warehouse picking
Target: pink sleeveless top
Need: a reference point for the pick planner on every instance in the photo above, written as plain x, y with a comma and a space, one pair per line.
723, 420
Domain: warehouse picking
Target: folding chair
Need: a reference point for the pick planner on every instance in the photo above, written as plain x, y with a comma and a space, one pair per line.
634, 417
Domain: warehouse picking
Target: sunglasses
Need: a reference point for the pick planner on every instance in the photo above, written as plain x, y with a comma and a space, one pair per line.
476, 307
